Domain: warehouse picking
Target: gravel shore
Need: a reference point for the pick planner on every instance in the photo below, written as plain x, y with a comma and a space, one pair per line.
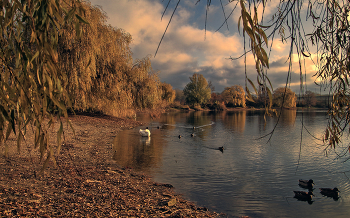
86, 181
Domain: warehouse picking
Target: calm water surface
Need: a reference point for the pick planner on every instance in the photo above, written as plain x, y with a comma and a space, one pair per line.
250, 177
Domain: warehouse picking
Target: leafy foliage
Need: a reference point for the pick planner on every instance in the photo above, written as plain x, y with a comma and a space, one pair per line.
102, 74
147, 92
234, 95
284, 97
31, 81
264, 96
197, 91
95, 62
168, 93
100, 68
179, 96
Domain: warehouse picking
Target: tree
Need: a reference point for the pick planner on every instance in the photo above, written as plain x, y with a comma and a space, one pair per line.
31, 81
264, 97
146, 87
309, 99
179, 96
284, 97
215, 97
101, 73
168, 93
197, 91
96, 63
234, 95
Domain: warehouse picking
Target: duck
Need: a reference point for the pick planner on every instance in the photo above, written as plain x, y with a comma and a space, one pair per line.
303, 196
309, 184
192, 135
179, 136
221, 148
145, 132
330, 192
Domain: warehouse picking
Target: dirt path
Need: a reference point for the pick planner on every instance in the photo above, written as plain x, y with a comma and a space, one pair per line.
87, 182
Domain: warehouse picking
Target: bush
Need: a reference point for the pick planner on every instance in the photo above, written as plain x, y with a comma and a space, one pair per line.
217, 106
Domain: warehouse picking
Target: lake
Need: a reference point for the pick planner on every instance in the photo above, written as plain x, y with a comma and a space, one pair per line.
252, 177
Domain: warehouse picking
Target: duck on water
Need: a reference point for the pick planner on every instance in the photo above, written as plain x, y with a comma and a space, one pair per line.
330, 192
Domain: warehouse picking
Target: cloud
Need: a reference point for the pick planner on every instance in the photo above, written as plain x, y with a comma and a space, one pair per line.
280, 62
141, 19
279, 46
187, 48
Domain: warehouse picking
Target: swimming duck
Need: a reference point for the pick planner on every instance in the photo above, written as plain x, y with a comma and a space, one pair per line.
192, 135
303, 196
179, 136
221, 148
145, 132
309, 184
330, 192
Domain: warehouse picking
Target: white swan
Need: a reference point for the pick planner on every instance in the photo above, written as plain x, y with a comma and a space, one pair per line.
145, 132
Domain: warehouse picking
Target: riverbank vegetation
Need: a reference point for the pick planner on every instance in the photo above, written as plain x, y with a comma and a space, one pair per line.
101, 73
199, 95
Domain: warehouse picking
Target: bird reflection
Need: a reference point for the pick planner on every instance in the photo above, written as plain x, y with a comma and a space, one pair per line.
304, 196
307, 184
145, 140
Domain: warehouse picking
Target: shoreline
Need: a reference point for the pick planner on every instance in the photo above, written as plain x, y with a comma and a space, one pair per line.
246, 109
86, 181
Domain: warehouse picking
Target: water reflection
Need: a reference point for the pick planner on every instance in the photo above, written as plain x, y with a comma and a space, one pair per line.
134, 151
234, 120
198, 119
288, 117
169, 120
200, 123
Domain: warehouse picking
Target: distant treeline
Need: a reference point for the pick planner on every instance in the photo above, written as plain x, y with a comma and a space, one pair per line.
101, 73
199, 94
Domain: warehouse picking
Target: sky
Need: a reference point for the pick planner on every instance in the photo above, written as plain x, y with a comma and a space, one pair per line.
188, 48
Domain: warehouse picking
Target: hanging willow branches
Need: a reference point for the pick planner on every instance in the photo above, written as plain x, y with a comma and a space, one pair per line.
31, 89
